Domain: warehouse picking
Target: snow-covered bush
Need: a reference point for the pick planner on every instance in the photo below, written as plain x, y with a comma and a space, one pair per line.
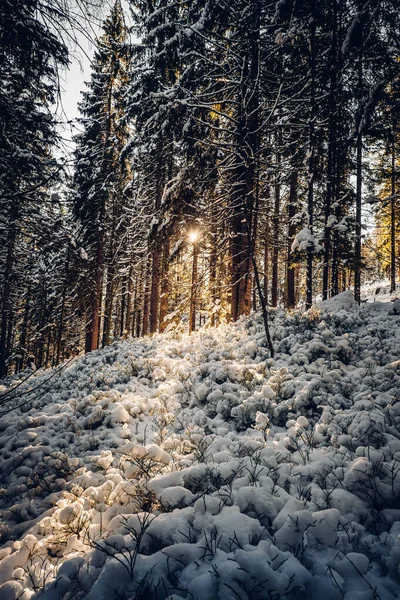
198, 467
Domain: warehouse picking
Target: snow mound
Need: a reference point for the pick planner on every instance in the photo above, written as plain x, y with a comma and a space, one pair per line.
198, 467
343, 301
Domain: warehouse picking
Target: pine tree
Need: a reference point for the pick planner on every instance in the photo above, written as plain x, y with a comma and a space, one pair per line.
101, 174
371, 34
29, 57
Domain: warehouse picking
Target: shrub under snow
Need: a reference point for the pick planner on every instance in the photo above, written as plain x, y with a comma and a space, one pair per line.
201, 468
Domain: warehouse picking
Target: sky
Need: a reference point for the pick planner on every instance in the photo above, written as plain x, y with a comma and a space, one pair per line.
73, 80
72, 84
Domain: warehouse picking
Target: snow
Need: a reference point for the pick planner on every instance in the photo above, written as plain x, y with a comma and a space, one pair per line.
198, 467
343, 301
304, 240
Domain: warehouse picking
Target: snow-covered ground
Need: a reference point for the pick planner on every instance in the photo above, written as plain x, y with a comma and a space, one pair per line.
197, 467
379, 291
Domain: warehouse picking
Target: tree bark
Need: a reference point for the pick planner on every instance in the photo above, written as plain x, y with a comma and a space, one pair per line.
6, 309
332, 123
311, 162
94, 332
154, 289
193, 288
62, 312
165, 286
266, 256
393, 217
154, 302
359, 150
146, 297
275, 227
213, 274
290, 274
244, 180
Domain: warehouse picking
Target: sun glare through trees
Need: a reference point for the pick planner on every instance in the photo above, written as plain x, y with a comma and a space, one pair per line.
260, 128
200, 300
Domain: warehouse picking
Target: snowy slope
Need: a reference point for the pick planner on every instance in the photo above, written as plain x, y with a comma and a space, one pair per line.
197, 467
379, 291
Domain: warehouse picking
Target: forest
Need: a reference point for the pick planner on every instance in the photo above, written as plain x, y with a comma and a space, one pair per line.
200, 300
229, 156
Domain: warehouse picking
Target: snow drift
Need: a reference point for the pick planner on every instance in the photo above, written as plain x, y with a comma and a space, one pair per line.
198, 467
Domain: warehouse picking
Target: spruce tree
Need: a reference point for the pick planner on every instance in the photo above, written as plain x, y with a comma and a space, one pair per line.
29, 57
101, 174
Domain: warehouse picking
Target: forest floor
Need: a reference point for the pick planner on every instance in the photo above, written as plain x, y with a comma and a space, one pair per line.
198, 467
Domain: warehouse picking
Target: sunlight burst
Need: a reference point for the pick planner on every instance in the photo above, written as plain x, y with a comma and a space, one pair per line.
193, 236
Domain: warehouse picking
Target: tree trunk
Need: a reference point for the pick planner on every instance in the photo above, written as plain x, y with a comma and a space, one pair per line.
109, 302
311, 162
165, 286
155, 289
146, 297
24, 329
331, 154
290, 274
94, 330
42, 322
213, 274
244, 180
124, 302
266, 257
275, 228
339, 167
393, 218
6, 309
154, 302
241, 277
193, 288
359, 148
48, 346
130, 299
62, 312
